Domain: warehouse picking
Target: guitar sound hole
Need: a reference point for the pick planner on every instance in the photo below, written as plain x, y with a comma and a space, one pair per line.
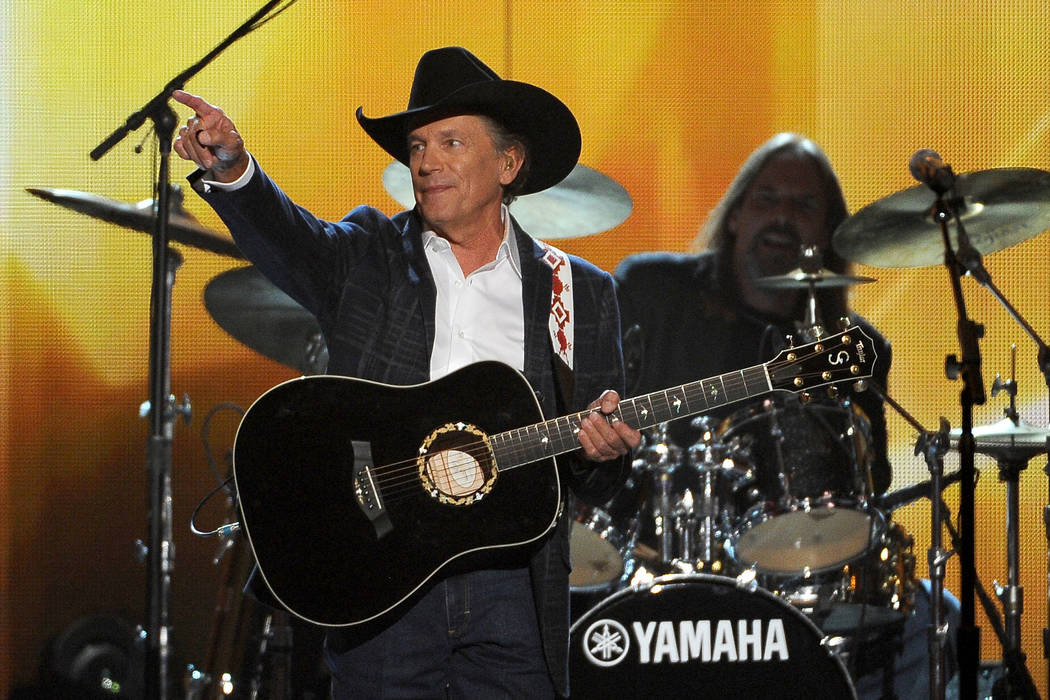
456, 464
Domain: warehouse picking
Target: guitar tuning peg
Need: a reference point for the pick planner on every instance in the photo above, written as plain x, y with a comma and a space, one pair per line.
844, 323
805, 397
860, 385
790, 340
833, 392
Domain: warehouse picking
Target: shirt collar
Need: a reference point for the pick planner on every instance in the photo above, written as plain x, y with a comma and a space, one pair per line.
508, 248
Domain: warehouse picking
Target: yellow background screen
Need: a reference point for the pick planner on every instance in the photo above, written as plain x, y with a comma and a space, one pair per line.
670, 96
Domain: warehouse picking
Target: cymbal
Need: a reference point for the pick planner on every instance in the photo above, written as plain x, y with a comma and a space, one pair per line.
999, 208
258, 314
584, 203
1005, 440
182, 227
800, 279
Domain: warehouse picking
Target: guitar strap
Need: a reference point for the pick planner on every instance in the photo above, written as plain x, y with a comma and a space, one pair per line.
562, 314
561, 323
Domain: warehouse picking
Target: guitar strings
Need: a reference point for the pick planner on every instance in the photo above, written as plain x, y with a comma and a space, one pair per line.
473, 452
398, 479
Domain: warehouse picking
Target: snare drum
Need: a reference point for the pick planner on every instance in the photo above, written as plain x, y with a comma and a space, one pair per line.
701, 636
812, 465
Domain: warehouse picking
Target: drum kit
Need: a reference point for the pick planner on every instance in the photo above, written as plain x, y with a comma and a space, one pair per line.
760, 547
768, 518
771, 517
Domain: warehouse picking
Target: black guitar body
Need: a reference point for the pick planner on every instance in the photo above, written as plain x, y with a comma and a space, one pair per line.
354, 494
320, 554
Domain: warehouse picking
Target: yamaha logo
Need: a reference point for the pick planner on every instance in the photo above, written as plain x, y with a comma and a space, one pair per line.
606, 643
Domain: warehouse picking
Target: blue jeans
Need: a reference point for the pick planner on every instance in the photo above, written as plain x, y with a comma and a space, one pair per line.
473, 635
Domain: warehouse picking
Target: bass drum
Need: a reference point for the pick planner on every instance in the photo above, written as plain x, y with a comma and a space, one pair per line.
701, 636
812, 463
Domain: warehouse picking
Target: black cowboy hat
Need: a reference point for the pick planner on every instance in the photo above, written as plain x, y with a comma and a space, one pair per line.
451, 81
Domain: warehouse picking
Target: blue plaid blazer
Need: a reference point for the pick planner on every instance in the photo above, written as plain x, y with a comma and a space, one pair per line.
366, 280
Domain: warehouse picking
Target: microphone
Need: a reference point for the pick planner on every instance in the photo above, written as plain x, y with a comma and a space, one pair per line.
927, 167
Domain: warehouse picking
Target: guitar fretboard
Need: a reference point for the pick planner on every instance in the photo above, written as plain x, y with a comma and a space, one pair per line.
529, 443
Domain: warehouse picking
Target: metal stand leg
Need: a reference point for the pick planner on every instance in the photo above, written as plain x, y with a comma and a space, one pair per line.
933, 447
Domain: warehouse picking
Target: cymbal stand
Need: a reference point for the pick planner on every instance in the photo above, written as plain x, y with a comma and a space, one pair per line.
810, 260
971, 260
160, 551
933, 446
1022, 685
1012, 460
968, 367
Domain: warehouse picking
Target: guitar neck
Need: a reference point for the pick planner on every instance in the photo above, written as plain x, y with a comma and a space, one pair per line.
529, 443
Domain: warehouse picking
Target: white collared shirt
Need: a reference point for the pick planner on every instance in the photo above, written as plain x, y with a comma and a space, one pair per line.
480, 316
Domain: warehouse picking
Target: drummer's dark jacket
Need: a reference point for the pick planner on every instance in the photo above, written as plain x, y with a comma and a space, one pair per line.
367, 281
682, 322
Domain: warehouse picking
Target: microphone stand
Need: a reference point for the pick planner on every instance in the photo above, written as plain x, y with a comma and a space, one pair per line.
972, 394
161, 549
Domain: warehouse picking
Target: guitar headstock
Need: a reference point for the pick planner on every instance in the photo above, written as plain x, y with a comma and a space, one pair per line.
847, 356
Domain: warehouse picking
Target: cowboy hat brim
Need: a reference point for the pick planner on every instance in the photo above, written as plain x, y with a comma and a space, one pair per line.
551, 132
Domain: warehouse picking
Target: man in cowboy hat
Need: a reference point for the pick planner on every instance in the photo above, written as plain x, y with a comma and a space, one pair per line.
409, 298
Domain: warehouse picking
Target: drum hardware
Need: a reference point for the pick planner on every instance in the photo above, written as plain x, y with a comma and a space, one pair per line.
810, 276
717, 479
1012, 443
1001, 208
662, 459
932, 445
1013, 684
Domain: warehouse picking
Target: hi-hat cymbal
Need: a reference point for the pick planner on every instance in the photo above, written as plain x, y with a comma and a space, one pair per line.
1005, 440
258, 314
182, 227
584, 203
821, 279
999, 208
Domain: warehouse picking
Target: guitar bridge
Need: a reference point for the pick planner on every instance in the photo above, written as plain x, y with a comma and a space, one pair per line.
367, 492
